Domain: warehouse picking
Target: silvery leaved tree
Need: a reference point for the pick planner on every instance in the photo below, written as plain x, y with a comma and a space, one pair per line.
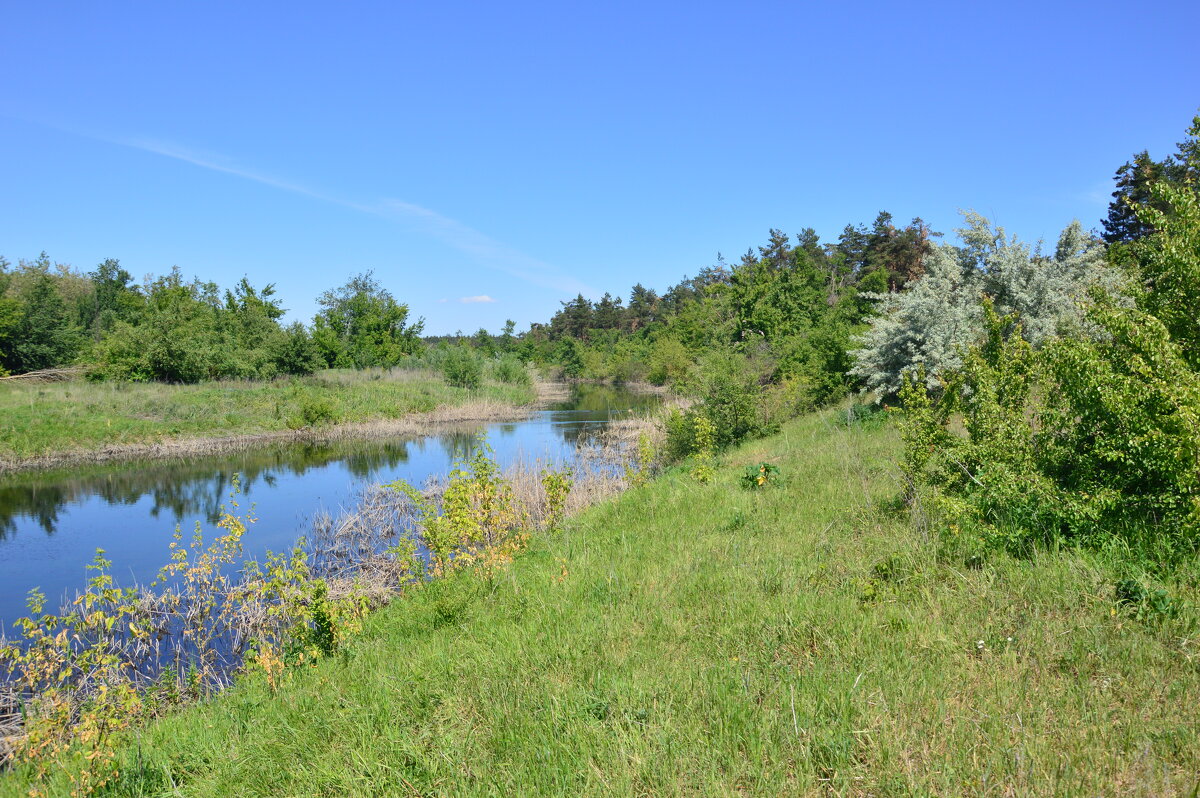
930, 325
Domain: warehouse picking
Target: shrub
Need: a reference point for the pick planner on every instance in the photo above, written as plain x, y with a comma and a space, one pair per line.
1104, 450
705, 437
509, 369
736, 413
312, 413
461, 367
670, 362
760, 476
731, 413
930, 325
681, 435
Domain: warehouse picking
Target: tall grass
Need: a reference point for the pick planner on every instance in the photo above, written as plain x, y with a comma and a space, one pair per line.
42, 419
801, 639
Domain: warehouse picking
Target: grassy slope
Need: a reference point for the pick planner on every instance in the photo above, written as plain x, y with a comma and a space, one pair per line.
689, 639
36, 419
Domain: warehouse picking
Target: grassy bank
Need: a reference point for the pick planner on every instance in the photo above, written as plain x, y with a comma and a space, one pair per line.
711, 640
52, 422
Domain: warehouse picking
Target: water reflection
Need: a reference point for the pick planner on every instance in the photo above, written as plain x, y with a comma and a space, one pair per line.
180, 490
52, 522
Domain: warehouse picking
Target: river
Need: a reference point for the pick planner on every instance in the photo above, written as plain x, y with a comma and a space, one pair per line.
52, 522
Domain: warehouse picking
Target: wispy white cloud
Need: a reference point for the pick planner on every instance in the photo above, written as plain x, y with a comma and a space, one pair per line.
1098, 194
481, 247
471, 300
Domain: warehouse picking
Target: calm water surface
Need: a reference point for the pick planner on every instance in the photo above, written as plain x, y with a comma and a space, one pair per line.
51, 523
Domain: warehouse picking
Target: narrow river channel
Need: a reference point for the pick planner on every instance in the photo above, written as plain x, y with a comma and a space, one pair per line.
52, 522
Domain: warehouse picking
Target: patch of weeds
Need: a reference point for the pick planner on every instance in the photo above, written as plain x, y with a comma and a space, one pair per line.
867, 416
637, 717
312, 413
599, 709
891, 569
1143, 603
771, 584
451, 600
608, 591
736, 521
761, 476
742, 523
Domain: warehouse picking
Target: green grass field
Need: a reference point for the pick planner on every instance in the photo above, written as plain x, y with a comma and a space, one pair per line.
689, 639
42, 419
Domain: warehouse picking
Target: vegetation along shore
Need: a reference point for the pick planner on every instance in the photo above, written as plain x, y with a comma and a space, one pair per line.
818, 641
49, 424
979, 577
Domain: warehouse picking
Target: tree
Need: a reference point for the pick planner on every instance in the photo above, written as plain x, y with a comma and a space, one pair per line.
642, 307
899, 253
36, 324
184, 332
114, 298
573, 320
928, 327
508, 340
484, 343
1134, 180
1168, 261
607, 313
1093, 437
361, 325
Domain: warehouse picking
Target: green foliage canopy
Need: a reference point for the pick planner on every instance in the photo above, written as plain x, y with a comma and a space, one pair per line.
361, 325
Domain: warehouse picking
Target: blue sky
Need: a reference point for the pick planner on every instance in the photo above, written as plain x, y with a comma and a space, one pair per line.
525, 152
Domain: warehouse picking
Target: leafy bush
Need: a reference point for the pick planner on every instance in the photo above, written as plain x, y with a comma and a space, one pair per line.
462, 368
760, 476
731, 413
866, 415
1145, 604
186, 335
509, 369
1105, 450
705, 436
681, 435
670, 362
313, 412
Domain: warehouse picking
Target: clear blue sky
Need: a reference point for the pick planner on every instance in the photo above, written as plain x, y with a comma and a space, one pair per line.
526, 152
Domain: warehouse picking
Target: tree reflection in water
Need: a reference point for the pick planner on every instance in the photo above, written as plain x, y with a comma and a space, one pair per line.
183, 490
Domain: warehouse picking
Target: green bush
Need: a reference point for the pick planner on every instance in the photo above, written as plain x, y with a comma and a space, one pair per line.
509, 369
312, 413
760, 476
681, 435
1088, 442
735, 412
462, 368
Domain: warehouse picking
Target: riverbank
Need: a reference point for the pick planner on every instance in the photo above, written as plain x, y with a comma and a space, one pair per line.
804, 638
46, 425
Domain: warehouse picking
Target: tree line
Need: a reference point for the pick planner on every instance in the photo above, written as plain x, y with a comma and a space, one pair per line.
175, 330
1049, 394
